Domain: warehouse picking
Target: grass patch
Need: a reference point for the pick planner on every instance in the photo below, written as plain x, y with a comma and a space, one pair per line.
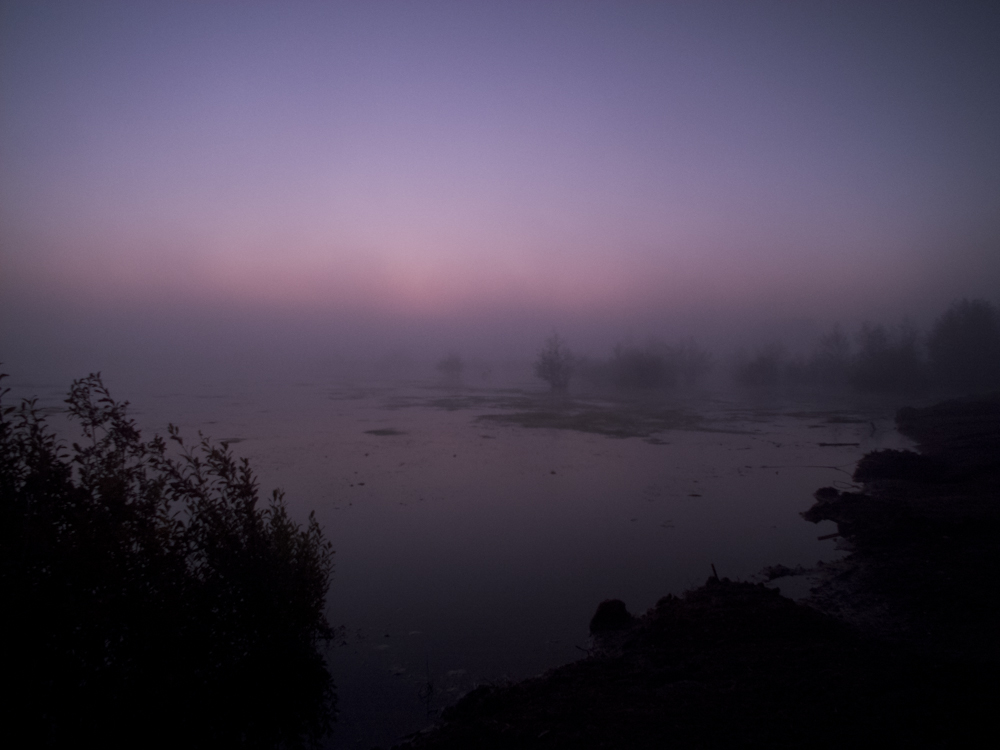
610, 422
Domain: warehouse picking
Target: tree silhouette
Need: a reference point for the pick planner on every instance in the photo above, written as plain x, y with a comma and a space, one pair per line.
554, 364
963, 347
635, 368
150, 598
887, 362
764, 369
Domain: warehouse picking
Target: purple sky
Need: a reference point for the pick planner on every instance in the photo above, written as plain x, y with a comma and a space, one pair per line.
547, 164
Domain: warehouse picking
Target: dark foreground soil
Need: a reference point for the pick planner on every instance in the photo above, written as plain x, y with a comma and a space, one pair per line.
898, 646
925, 535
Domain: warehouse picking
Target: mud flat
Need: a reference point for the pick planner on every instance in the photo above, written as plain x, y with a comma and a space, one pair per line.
897, 645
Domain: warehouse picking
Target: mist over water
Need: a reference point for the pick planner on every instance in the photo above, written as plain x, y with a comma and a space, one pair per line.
338, 236
479, 515
190, 189
473, 548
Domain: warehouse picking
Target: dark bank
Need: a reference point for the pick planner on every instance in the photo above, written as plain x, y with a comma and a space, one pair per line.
896, 646
733, 646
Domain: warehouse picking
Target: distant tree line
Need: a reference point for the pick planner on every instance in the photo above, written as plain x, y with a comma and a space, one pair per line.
653, 366
555, 363
960, 354
150, 599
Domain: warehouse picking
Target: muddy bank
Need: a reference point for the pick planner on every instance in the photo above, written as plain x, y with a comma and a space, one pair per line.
896, 646
924, 534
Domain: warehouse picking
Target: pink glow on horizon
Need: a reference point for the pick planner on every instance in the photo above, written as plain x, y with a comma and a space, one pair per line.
624, 161
430, 283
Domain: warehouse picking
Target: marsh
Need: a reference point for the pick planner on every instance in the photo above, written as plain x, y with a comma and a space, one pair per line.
476, 529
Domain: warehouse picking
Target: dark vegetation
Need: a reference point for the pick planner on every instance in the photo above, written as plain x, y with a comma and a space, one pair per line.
960, 354
829, 364
150, 598
613, 422
554, 364
923, 529
880, 361
650, 367
963, 348
897, 647
729, 665
887, 361
766, 367
630, 368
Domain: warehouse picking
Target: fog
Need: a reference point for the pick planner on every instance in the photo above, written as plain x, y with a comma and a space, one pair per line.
142, 343
340, 235
192, 190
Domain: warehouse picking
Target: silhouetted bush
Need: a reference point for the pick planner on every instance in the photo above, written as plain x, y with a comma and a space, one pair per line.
593, 372
149, 599
887, 362
963, 348
962, 354
828, 365
554, 364
653, 366
691, 362
896, 465
764, 369
632, 368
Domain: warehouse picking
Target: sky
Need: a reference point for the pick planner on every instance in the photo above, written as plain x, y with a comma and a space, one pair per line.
325, 175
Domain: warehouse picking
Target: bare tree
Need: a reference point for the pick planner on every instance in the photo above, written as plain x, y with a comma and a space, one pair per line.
555, 363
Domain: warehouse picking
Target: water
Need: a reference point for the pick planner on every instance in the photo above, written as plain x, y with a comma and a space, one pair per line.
472, 551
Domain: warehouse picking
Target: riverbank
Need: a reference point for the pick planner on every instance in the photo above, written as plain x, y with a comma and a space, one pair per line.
924, 534
896, 645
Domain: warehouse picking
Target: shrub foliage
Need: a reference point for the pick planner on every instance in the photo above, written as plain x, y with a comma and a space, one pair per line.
650, 367
554, 364
964, 347
151, 597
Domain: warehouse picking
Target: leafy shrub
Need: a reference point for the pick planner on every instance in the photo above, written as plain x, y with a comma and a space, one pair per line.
828, 365
150, 598
554, 364
887, 362
691, 362
897, 465
632, 368
653, 366
764, 369
963, 347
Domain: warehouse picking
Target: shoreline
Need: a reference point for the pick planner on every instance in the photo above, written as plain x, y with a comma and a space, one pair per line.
895, 644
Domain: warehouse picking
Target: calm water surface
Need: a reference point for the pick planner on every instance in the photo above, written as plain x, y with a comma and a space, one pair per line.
471, 551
